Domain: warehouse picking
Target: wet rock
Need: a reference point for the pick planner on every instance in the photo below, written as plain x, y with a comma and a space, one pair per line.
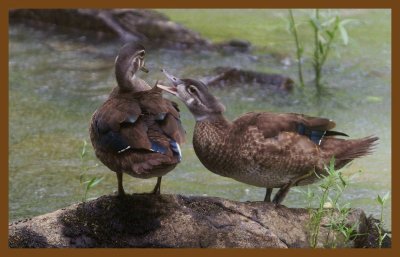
228, 76
371, 239
234, 45
147, 26
175, 221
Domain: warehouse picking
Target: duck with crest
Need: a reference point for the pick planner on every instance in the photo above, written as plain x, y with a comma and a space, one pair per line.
136, 131
270, 150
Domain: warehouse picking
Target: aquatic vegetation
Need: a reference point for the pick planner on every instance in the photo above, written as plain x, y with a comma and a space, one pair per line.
333, 184
325, 30
87, 183
382, 233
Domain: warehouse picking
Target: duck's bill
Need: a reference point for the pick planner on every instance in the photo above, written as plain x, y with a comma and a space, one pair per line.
144, 69
176, 81
173, 90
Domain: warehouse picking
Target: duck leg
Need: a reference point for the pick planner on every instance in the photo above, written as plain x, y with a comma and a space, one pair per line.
121, 191
281, 194
268, 193
157, 188
283, 191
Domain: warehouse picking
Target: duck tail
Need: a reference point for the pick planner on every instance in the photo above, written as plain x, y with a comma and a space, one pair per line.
348, 150
355, 149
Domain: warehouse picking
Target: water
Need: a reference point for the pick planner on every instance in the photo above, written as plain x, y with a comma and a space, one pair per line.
57, 81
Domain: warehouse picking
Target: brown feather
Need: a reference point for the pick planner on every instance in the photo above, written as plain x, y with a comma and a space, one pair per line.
264, 149
271, 124
139, 161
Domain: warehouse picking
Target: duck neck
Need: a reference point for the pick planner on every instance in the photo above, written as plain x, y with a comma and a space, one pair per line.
211, 130
126, 82
209, 139
139, 84
211, 117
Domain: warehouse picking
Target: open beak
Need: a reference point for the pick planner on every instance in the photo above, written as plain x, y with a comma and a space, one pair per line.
171, 90
175, 81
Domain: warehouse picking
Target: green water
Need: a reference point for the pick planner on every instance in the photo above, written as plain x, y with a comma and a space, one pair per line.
56, 81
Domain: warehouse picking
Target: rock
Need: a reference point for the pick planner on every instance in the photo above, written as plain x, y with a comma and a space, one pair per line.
234, 45
371, 239
229, 75
147, 26
174, 221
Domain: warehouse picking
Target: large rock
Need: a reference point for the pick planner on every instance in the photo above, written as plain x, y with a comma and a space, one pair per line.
147, 26
231, 76
144, 220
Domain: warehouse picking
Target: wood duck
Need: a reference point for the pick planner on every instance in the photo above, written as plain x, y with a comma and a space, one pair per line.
136, 131
271, 150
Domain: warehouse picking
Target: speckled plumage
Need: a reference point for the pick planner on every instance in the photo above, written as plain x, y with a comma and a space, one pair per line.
136, 131
271, 150
251, 151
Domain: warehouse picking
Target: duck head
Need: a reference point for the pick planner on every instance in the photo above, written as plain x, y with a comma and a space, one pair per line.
194, 93
129, 60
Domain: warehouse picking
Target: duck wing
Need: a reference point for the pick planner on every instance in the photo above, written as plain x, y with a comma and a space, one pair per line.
118, 126
272, 124
165, 113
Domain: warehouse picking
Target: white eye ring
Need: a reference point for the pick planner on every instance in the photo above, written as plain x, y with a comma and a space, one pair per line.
192, 89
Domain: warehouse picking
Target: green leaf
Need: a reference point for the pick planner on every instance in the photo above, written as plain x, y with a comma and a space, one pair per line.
344, 183
328, 22
321, 38
379, 199
332, 164
385, 197
83, 152
382, 200
330, 34
343, 34
321, 47
314, 23
93, 182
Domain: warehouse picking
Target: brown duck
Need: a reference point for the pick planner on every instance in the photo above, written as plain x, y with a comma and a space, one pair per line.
271, 150
136, 131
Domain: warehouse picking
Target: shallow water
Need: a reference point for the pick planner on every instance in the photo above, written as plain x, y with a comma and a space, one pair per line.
56, 82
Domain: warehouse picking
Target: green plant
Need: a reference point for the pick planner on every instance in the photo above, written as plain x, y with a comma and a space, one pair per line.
329, 207
299, 47
332, 183
325, 30
338, 224
87, 183
381, 232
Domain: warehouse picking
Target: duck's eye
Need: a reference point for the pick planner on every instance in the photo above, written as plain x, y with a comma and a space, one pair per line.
192, 89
